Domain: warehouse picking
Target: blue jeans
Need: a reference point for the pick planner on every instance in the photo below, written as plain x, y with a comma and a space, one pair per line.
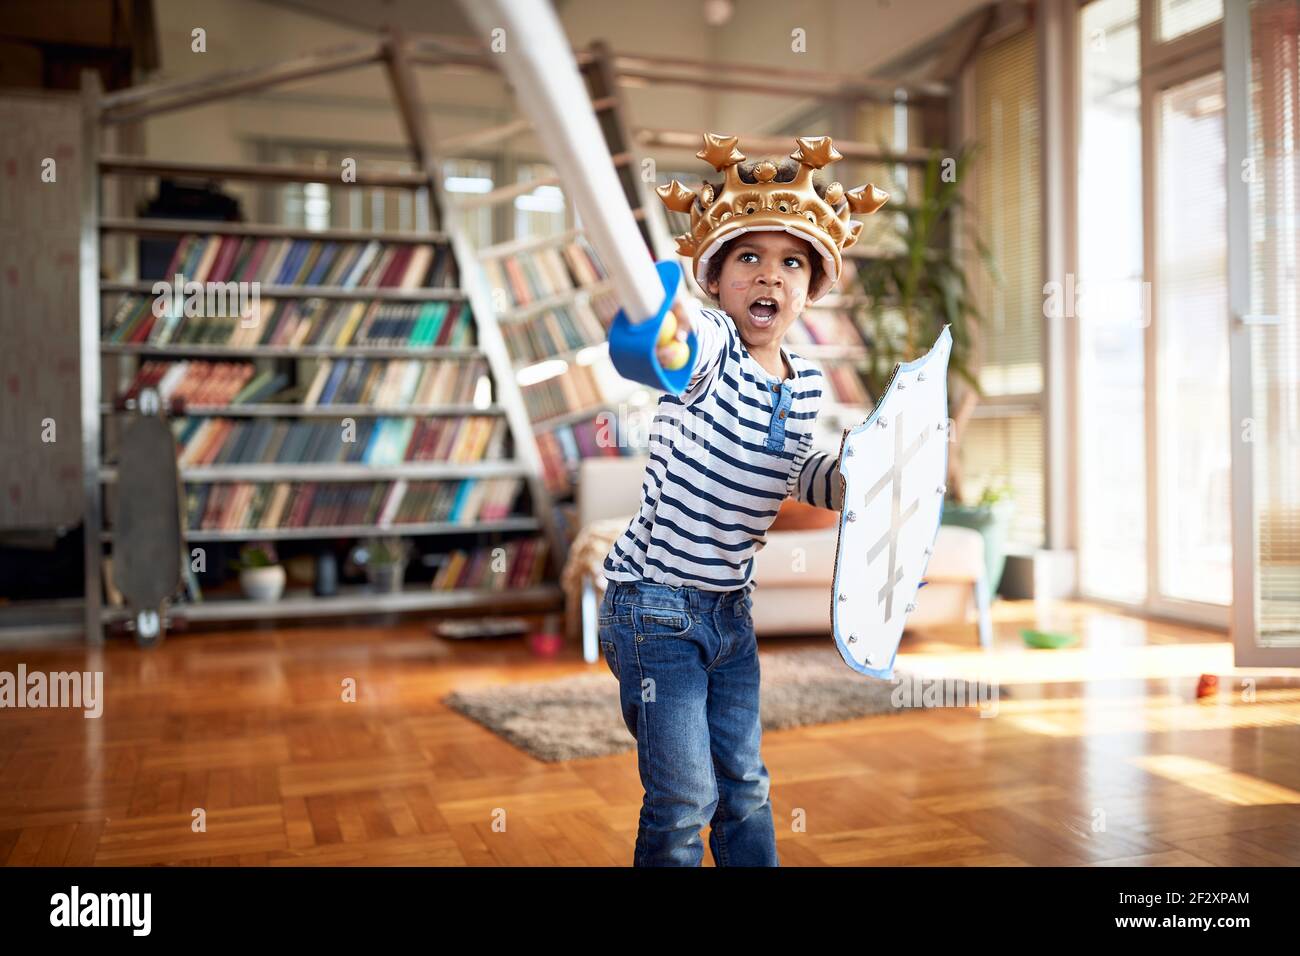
686, 660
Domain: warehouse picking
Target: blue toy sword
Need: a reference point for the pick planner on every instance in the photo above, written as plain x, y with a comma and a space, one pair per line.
527, 36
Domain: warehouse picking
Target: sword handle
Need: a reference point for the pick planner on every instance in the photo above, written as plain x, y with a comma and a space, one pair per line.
633, 345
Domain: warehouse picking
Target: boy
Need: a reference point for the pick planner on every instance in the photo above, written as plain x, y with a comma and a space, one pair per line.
675, 623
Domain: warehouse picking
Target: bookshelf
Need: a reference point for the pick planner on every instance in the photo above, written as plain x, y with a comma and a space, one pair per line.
365, 394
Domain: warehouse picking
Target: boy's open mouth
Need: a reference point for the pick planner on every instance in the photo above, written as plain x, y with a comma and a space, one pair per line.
763, 310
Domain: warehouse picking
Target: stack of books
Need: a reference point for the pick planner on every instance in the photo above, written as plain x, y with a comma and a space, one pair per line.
465, 502
280, 505
571, 391
370, 441
540, 273
521, 566
392, 383
205, 383
561, 448
291, 322
561, 328
312, 262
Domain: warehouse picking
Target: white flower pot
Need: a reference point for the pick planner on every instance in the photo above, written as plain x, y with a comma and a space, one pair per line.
262, 584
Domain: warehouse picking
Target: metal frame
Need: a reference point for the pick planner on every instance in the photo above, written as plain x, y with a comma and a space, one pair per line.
1058, 71
151, 99
93, 522
1163, 66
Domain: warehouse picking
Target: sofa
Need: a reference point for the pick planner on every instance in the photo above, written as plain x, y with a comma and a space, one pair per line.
794, 570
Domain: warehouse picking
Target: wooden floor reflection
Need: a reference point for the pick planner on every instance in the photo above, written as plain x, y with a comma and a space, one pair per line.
1094, 755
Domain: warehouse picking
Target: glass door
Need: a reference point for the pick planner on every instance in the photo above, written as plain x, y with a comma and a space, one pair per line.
1261, 40
1111, 396
1192, 453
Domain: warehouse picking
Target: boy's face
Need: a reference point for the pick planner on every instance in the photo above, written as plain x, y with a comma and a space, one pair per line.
763, 284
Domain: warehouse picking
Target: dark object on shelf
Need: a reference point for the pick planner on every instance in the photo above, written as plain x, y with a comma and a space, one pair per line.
327, 575
384, 560
180, 200
481, 627
42, 565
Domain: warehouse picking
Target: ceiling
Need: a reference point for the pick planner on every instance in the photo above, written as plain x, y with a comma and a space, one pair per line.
422, 16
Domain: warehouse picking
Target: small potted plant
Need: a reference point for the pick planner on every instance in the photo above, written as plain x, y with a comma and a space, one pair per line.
991, 516
385, 563
261, 576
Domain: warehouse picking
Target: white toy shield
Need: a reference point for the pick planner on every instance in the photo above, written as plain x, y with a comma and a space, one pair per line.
894, 466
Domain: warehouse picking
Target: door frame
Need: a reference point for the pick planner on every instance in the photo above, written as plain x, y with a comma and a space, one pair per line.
1245, 542
1163, 66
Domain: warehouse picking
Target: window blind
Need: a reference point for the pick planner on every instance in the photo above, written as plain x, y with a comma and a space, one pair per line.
1274, 191
1008, 214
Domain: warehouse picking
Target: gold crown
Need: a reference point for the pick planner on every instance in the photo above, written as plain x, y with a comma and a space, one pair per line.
768, 205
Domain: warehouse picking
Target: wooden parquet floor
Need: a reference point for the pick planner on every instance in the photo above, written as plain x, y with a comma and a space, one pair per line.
1098, 755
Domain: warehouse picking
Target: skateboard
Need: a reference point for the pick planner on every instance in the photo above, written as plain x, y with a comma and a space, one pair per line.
149, 545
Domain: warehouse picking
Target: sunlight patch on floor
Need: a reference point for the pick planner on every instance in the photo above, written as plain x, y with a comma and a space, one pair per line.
1204, 776
1075, 664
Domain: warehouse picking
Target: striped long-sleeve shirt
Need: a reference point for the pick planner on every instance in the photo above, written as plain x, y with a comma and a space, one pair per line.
723, 456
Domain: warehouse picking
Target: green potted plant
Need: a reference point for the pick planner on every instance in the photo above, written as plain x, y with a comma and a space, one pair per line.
991, 516
385, 562
918, 284
261, 576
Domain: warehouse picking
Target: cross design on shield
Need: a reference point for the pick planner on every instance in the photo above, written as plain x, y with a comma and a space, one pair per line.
892, 479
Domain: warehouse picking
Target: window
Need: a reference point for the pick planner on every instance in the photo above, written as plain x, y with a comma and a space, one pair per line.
1113, 308
540, 212
341, 205
1194, 456
464, 177
1174, 18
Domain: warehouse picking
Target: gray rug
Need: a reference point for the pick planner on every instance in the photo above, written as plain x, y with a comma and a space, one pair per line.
577, 717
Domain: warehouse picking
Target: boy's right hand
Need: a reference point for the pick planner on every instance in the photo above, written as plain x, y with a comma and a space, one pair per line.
672, 349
